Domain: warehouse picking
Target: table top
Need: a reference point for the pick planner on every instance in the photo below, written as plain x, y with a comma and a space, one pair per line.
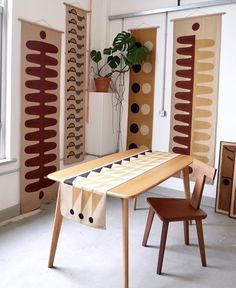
135, 186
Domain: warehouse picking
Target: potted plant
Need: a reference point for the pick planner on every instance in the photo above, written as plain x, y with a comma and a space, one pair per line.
119, 58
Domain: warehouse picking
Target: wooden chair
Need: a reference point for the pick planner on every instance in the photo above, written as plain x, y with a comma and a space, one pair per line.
171, 210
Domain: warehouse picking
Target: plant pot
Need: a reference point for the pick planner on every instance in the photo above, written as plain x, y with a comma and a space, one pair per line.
102, 84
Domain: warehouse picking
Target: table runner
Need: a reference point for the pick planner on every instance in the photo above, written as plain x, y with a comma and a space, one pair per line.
83, 197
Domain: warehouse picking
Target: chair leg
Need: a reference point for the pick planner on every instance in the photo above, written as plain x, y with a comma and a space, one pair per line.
201, 242
148, 226
186, 232
162, 246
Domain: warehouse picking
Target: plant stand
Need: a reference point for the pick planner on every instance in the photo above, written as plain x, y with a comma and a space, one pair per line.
102, 127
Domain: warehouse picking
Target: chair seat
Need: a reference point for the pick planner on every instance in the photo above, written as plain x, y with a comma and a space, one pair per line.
172, 209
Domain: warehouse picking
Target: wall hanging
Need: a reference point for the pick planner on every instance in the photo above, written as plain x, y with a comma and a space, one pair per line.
41, 51
141, 93
75, 83
196, 56
226, 185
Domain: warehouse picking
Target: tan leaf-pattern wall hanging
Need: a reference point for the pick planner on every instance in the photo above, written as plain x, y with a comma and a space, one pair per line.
195, 86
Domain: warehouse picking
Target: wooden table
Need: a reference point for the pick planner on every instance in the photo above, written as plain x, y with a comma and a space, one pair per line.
126, 191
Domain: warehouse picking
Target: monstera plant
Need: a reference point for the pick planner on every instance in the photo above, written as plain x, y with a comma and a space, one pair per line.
119, 58
111, 66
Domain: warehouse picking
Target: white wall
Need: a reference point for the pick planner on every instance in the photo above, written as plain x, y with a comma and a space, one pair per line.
49, 13
226, 122
129, 6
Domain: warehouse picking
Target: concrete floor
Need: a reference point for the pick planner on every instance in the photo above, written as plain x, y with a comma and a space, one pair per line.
90, 258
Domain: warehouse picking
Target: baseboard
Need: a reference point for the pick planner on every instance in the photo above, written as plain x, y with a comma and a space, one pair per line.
10, 212
166, 192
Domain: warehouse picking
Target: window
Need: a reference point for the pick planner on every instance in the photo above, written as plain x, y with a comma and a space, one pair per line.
2, 79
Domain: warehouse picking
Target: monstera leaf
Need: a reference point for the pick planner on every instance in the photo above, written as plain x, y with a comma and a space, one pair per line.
119, 57
96, 56
137, 55
107, 51
124, 41
113, 61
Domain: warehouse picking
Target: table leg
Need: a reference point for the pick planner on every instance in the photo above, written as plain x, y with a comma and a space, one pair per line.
56, 231
135, 203
125, 220
186, 185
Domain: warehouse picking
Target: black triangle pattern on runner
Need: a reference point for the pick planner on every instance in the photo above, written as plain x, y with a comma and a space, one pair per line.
108, 166
69, 181
85, 175
98, 170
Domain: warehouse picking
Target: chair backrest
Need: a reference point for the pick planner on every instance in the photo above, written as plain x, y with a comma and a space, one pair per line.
202, 171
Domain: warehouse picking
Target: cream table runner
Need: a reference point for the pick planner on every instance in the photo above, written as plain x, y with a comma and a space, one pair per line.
83, 197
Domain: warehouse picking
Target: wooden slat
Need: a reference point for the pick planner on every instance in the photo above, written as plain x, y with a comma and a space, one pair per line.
232, 211
225, 177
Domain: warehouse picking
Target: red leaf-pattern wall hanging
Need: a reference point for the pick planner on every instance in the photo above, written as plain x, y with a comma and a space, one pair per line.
75, 84
40, 114
195, 86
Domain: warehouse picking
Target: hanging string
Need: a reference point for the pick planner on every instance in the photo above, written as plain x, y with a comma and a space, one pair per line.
77, 5
144, 25
198, 12
40, 21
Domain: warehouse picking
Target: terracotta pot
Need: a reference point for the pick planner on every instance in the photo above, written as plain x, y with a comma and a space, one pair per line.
102, 84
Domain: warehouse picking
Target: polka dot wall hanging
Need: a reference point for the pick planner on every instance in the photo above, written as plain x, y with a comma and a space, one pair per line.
41, 53
141, 93
75, 83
